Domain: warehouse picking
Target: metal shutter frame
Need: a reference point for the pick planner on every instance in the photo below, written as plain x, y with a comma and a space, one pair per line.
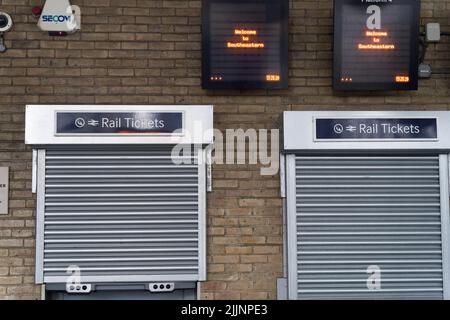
146, 261
345, 287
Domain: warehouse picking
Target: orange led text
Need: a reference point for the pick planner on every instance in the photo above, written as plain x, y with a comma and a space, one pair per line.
376, 41
244, 41
273, 77
402, 79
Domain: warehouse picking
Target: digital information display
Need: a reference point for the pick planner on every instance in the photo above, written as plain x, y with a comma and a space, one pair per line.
245, 44
376, 44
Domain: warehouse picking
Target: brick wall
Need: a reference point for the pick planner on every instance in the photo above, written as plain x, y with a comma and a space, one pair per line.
148, 52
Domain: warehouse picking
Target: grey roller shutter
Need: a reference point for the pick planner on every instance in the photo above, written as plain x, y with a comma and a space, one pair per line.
356, 212
121, 215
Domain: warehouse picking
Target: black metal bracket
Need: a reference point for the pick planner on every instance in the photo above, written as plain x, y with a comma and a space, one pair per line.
3, 47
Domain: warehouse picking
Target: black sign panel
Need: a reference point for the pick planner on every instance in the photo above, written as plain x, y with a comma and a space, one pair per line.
376, 129
376, 44
118, 123
245, 44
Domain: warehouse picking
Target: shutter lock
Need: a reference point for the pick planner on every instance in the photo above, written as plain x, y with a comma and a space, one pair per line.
78, 288
161, 287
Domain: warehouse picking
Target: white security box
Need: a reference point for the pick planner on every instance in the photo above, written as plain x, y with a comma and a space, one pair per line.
60, 16
367, 204
121, 192
4, 190
433, 32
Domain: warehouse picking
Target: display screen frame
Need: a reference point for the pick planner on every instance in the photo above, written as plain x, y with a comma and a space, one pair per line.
207, 83
376, 86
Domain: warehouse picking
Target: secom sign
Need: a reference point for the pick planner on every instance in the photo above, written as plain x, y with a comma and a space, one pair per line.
56, 19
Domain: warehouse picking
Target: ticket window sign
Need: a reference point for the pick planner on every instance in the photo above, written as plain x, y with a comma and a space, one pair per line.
119, 123
4, 189
376, 44
245, 44
376, 129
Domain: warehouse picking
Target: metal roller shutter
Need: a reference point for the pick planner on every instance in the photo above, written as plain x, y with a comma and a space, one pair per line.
355, 212
121, 215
